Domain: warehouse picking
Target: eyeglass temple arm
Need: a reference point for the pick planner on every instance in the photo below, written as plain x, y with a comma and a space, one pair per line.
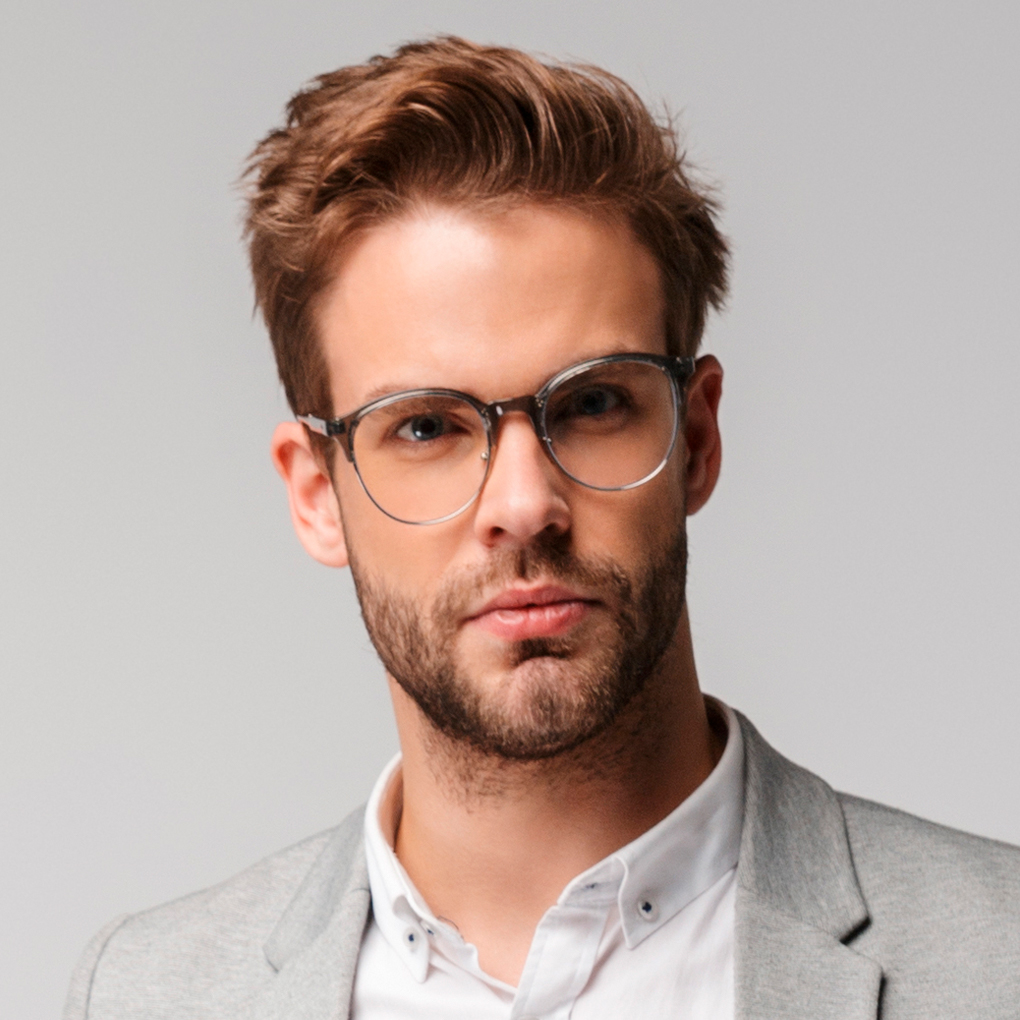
337, 427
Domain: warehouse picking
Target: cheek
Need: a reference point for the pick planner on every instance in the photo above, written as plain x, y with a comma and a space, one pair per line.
405, 559
660, 504
630, 526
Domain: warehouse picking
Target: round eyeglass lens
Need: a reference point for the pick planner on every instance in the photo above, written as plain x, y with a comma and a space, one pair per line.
613, 425
421, 458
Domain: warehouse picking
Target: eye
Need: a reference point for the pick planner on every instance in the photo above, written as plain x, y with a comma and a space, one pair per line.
423, 427
595, 400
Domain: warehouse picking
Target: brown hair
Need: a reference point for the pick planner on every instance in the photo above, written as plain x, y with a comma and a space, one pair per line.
447, 120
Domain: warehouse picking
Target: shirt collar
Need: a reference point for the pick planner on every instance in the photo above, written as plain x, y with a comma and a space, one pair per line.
685, 854
651, 879
403, 917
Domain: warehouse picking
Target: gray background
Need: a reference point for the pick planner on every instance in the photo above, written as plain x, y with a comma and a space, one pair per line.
183, 691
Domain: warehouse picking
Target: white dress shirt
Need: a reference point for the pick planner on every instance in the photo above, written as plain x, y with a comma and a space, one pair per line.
648, 931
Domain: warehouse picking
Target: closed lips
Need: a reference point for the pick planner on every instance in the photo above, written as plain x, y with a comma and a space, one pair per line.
518, 614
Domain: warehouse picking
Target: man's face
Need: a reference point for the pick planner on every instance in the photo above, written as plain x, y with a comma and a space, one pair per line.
526, 623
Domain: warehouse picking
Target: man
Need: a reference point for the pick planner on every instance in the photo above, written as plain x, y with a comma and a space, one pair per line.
485, 280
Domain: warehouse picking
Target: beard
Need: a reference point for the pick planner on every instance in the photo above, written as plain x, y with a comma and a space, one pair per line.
555, 693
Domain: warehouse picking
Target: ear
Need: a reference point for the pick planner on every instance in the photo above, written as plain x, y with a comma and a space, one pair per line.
701, 432
314, 509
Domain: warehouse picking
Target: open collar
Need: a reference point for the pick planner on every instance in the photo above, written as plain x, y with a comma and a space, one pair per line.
799, 906
650, 880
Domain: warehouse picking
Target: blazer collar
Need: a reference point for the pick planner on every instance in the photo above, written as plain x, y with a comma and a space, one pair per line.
798, 905
798, 899
314, 947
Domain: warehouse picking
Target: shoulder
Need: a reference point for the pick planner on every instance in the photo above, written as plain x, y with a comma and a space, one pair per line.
942, 903
795, 822
937, 909
891, 836
207, 946
900, 857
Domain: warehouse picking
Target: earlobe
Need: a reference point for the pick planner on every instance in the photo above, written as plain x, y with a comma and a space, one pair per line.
701, 432
314, 510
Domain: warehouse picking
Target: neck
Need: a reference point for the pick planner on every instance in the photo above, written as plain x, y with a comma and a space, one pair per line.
490, 844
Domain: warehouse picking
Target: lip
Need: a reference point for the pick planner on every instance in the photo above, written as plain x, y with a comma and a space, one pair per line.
521, 613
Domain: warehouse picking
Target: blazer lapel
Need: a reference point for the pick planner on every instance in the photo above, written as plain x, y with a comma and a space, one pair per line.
314, 948
798, 900
799, 906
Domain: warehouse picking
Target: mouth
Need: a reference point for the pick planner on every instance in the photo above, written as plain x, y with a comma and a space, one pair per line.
522, 613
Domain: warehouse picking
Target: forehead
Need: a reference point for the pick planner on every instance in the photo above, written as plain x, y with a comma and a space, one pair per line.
492, 303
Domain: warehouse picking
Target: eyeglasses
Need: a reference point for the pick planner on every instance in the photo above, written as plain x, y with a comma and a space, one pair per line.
422, 456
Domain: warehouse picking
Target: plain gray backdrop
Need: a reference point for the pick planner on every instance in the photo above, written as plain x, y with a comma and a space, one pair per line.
184, 691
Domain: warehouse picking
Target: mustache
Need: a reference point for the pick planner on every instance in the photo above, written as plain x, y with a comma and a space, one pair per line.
545, 558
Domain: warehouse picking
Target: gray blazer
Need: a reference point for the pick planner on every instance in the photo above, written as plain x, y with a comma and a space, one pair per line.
845, 909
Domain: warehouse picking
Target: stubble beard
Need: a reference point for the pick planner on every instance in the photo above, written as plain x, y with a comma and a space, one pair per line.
558, 693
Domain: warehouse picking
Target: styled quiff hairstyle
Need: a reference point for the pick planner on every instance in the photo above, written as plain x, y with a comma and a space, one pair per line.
450, 122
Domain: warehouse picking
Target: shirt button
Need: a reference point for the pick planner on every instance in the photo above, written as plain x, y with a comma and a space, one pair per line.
647, 909
413, 938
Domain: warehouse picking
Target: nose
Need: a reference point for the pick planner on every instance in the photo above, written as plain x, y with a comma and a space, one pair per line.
524, 494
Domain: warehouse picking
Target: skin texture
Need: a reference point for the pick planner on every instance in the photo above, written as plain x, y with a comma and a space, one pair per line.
494, 303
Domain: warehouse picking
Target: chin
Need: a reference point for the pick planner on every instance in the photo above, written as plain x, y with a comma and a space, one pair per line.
538, 707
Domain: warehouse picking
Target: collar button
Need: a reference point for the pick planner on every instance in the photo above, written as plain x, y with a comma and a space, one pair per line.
647, 910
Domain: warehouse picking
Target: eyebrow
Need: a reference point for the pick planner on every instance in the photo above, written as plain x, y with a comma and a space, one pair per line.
389, 389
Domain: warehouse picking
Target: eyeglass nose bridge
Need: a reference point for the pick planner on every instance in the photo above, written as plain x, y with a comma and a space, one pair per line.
530, 405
